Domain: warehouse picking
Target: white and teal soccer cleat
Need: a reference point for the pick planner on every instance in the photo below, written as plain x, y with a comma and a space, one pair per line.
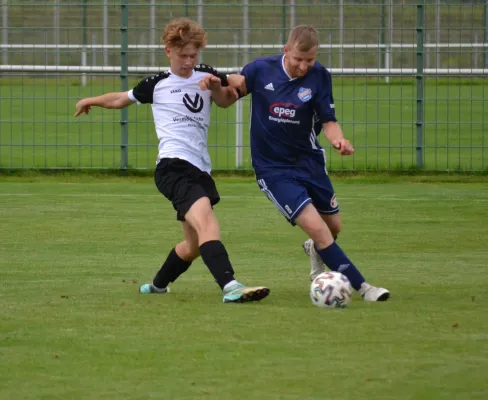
149, 288
316, 264
238, 293
373, 293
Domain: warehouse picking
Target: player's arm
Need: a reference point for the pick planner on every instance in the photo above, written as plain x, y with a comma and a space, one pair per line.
244, 82
239, 82
114, 100
141, 94
222, 96
333, 133
323, 104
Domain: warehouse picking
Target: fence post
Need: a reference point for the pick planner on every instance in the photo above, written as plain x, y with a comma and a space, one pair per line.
84, 59
292, 14
475, 51
239, 112
200, 22
245, 33
485, 35
239, 133
56, 23
124, 84
438, 33
382, 35
330, 50
5, 31
283, 21
152, 31
388, 47
341, 34
420, 84
94, 40
105, 31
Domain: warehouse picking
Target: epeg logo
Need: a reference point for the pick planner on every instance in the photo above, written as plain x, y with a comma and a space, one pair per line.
283, 110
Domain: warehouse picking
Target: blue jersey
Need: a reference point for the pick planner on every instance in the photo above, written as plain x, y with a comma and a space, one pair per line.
286, 116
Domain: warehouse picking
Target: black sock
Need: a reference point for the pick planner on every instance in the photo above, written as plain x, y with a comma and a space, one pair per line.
217, 261
172, 268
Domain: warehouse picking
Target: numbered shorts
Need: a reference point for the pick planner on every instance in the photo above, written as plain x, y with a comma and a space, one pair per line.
183, 184
291, 194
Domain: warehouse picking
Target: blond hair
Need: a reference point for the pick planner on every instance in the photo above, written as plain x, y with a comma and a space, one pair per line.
303, 38
182, 31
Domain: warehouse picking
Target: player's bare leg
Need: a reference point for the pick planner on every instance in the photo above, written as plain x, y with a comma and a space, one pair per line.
202, 218
178, 261
334, 222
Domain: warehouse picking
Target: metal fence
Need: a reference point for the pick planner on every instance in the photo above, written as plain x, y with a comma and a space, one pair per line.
410, 78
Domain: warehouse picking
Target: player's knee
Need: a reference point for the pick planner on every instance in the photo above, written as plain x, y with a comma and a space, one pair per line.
188, 250
335, 226
335, 231
207, 227
193, 250
321, 236
202, 218
324, 240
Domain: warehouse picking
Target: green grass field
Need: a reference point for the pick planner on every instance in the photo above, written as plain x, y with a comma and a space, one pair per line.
74, 249
37, 129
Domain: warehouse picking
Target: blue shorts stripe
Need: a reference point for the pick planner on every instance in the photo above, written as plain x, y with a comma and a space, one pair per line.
270, 196
300, 208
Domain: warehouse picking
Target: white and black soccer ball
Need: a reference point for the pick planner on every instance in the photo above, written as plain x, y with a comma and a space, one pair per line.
331, 290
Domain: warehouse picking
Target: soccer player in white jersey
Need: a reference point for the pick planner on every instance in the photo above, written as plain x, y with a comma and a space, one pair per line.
181, 113
291, 103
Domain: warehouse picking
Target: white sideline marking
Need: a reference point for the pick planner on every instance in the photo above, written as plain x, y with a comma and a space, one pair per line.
108, 195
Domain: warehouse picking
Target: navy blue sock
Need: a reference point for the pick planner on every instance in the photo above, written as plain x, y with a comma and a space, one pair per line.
336, 260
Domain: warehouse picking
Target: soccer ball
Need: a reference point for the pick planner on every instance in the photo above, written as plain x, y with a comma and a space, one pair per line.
331, 290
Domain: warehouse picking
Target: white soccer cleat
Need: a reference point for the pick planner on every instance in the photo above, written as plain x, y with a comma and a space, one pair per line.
373, 293
316, 264
367, 291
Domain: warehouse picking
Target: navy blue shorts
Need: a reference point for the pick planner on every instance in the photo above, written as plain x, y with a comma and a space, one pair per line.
290, 194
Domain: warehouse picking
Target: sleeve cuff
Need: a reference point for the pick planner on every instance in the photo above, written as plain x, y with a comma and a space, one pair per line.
131, 97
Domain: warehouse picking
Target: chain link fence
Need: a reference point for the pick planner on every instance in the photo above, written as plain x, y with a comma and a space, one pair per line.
409, 78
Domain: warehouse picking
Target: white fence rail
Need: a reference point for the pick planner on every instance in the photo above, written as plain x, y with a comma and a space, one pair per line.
247, 46
335, 71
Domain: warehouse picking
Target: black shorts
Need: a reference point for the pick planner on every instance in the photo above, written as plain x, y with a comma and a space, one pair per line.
183, 184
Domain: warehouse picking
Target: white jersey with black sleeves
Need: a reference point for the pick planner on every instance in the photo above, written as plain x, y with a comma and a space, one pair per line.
181, 113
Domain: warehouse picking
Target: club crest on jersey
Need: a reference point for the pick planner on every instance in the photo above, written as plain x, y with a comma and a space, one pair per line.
194, 104
304, 94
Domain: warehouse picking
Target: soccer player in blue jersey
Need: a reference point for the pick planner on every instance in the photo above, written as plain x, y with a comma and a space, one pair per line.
291, 103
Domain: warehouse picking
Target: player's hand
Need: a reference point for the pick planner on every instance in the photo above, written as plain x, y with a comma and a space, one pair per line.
344, 146
232, 92
82, 108
210, 82
238, 82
